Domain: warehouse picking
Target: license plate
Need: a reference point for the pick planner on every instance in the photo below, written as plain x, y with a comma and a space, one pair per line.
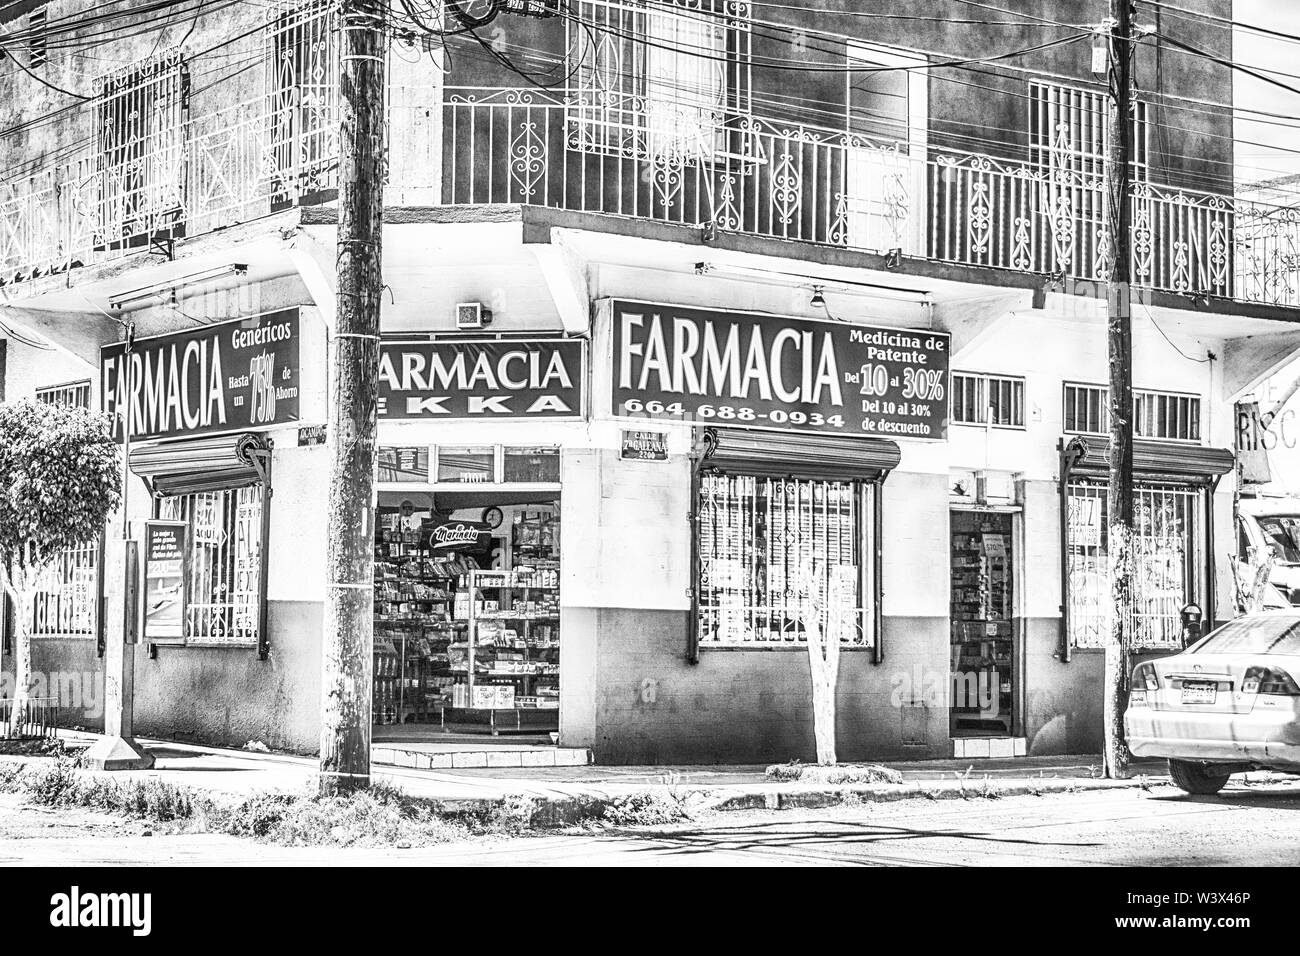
1200, 692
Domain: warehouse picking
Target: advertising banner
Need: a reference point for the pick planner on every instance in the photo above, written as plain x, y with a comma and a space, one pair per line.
164, 580
231, 376
745, 370
482, 379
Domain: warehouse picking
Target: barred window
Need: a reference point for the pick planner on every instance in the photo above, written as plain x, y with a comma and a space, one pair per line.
997, 400
37, 36
76, 394
1068, 130
658, 78
301, 49
140, 123
224, 590
66, 602
1165, 563
1163, 416
773, 553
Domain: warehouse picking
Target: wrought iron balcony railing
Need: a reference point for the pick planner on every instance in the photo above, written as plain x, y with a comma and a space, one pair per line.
741, 174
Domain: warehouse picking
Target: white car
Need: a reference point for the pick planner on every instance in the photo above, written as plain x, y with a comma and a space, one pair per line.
1227, 704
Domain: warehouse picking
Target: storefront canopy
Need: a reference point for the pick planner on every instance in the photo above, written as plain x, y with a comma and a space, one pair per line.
203, 464
1151, 459
825, 457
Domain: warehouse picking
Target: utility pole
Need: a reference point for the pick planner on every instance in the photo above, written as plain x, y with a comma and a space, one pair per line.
347, 668
1119, 341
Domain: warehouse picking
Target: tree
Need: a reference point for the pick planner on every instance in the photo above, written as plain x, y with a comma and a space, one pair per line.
823, 658
59, 482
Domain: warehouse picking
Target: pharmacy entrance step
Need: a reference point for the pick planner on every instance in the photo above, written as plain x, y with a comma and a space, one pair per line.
472, 751
977, 747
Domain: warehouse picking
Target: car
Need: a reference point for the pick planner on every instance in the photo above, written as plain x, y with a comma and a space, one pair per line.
1228, 703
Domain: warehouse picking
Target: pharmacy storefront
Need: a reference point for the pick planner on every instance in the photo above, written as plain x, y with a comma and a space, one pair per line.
469, 634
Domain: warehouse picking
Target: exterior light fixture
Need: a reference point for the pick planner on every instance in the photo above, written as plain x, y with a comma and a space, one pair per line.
122, 299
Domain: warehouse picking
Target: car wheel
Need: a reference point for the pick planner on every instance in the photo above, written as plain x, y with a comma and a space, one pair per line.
1197, 778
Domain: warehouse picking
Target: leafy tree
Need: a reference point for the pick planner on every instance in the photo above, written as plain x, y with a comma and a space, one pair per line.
59, 482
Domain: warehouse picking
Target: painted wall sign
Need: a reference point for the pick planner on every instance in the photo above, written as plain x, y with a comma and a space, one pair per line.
226, 377
748, 370
164, 580
1251, 441
481, 378
644, 446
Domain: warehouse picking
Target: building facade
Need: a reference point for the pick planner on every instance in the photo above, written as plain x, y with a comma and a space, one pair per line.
709, 326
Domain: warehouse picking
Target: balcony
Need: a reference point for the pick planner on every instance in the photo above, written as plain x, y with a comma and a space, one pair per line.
749, 175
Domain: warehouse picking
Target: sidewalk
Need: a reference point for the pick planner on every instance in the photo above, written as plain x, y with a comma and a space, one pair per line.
238, 773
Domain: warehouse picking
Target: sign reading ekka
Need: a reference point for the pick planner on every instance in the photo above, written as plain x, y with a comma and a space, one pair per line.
481, 378
226, 377
761, 371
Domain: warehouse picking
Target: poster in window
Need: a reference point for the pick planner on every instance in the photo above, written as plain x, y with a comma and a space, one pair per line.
164, 580
1084, 522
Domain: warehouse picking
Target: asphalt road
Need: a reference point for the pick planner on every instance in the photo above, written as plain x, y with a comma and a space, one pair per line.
1160, 826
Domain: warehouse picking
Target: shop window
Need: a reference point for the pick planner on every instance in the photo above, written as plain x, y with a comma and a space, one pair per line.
404, 464
996, 400
532, 465
777, 553
66, 603
1165, 416
1165, 560
224, 591
466, 465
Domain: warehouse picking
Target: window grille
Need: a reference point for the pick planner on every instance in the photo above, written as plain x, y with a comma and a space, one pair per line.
1165, 564
978, 399
1067, 131
74, 393
37, 50
658, 79
1161, 416
224, 599
140, 121
772, 553
302, 96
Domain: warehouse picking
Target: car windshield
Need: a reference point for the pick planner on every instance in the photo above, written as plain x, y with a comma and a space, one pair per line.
1283, 533
1256, 634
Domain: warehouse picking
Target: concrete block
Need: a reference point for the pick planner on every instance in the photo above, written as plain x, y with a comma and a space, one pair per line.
977, 747
1001, 747
542, 757
469, 759
1019, 747
572, 757
440, 761
504, 758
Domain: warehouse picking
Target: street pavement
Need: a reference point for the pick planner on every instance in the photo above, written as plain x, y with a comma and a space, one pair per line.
1158, 825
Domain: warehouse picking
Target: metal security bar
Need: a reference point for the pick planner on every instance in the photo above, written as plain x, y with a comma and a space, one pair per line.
1163, 416
37, 719
224, 598
66, 602
771, 552
141, 111
302, 98
988, 399
1068, 130
1165, 561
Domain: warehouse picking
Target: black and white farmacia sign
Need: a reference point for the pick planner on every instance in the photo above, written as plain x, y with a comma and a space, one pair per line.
481, 378
231, 376
762, 371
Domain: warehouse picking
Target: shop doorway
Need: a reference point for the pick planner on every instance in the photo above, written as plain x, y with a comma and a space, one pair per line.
983, 606
467, 616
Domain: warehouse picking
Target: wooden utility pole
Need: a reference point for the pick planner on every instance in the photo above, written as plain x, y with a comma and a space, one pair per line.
348, 645
1119, 340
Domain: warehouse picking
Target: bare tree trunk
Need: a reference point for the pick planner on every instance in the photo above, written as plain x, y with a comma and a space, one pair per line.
347, 662
824, 668
18, 585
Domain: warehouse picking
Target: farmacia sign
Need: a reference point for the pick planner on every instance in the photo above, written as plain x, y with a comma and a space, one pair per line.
750, 370
230, 376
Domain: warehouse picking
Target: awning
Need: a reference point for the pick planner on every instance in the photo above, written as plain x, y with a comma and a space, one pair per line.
825, 457
203, 464
1151, 459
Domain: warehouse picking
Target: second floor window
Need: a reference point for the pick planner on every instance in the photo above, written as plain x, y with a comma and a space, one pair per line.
76, 394
37, 51
1165, 416
1067, 131
997, 400
657, 79
301, 44
140, 120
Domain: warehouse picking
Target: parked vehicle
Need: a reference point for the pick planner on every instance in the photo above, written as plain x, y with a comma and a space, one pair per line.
1227, 704
1272, 526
